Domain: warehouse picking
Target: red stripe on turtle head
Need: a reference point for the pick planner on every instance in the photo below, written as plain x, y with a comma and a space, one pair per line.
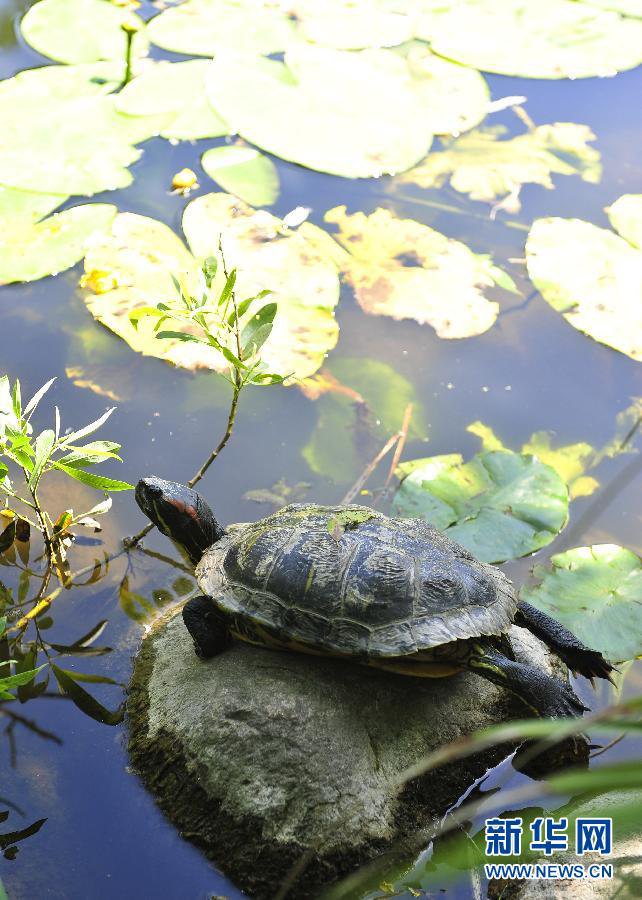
182, 507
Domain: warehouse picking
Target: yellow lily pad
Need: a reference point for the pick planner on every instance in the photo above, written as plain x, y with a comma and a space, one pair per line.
625, 215
244, 172
592, 276
487, 168
140, 255
406, 270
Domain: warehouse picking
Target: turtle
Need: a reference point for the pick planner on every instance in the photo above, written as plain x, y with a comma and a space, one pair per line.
350, 582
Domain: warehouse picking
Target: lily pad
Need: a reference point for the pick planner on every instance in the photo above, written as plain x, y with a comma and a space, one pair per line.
132, 263
486, 168
625, 215
205, 27
547, 39
360, 403
26, 206
29, 250
570, 461
81, 31
355, 114
597, 593
406, 270
61, 133
243, 171
500, 505
174, 94
592, 276
351, 24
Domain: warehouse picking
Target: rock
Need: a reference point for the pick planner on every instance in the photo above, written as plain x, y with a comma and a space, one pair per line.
260, 757
626, 859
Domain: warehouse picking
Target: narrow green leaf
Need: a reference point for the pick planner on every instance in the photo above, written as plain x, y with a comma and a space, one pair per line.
226, 293
84, 701
37, 397
16, 399
258, 329
88, 429
20, 678
100, 482
89, 678
43, 446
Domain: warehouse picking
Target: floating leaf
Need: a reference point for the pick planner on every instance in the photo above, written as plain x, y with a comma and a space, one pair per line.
597, 593
592, 276
500, 505
205, 27
357, 114
625, 215
141, 255
486, 168
174, 94
30, 251
61, 133
243, 171
81, 31
17, 205
403, 269
569, 461
547, 39
360, 403
354, 114
351, 24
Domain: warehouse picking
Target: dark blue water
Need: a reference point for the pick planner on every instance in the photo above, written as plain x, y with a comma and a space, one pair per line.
104, 837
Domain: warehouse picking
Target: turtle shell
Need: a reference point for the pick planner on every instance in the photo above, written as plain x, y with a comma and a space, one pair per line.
350, 580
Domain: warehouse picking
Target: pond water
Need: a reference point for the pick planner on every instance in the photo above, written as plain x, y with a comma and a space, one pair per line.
103, 836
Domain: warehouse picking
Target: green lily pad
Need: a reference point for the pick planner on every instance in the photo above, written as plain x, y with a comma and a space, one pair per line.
132, 263
61, 133
406, 270
592, 276
597, 593
357, 114
486, 168
174, 94
205, 27
625, 215
351, 24
360, 403
81, 31
29, 250
354, 114
547, 39
26, 206
500, 505
243, 171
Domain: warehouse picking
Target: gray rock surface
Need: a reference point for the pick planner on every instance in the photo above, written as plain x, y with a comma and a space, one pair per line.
259, 757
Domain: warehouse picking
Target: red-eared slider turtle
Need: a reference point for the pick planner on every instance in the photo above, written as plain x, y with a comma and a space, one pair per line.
348, 581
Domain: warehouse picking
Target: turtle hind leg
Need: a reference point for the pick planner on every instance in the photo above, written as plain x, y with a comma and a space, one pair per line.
544, 695
207, 626
578, 657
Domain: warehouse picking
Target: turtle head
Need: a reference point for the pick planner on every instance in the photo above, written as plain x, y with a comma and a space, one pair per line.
180, 513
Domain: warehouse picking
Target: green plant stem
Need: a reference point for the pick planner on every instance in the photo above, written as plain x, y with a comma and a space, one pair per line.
221, 444
128, 57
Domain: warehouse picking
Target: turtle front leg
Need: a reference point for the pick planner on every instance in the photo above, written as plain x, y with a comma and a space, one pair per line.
544, 695
207, 626
579, 658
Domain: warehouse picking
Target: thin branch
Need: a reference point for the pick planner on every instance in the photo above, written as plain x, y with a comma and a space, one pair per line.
369, 469
403, 434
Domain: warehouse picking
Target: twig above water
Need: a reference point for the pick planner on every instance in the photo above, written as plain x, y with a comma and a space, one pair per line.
398, 439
